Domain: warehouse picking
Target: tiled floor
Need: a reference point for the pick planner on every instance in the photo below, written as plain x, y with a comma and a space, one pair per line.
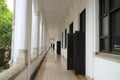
54, 68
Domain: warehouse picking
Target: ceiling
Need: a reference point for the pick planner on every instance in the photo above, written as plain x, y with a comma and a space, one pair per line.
55, 12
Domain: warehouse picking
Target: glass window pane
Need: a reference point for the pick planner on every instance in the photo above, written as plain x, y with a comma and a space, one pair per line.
105, 26
115, 3
104, 45
104, 6
116, 30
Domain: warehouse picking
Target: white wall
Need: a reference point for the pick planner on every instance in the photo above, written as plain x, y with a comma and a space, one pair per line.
64, 53
96, 68
106, 69
73, 16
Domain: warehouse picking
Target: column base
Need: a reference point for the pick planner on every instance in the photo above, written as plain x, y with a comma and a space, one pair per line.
22, 57
34, 53
40, 50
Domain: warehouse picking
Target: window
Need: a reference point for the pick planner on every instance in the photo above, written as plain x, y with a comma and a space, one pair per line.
110, 26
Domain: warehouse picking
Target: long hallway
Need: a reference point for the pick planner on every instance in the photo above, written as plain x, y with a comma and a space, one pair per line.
54, 68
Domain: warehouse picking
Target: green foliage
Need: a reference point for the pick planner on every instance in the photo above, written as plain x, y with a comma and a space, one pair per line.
5, 25
4, 57
5, 35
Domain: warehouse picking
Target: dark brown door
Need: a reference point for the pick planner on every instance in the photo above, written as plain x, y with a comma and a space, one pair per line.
83, 33
59, 47
79, 47
53, 46
70, 52
71, 28
70, 48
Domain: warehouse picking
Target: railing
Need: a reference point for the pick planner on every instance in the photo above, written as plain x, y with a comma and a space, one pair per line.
23, 72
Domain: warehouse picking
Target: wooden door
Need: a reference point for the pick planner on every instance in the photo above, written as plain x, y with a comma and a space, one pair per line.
79, 47
70, 52
59, 47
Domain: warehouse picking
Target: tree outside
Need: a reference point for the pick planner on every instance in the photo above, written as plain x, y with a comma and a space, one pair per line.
5, 34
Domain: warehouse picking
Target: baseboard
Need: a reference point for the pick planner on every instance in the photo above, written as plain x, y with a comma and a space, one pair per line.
82, 77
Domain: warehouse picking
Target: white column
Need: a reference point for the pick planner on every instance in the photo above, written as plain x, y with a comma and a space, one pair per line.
35, 35
44, 34
40, 38
43, 37
23, 20
13, 33
12, 46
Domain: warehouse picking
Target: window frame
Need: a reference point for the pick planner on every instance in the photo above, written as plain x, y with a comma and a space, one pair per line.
108, 13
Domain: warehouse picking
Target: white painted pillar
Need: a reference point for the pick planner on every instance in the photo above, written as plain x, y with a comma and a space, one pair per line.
40, 38
23, 20
43, 37
35, 35
13, 33
12, 46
